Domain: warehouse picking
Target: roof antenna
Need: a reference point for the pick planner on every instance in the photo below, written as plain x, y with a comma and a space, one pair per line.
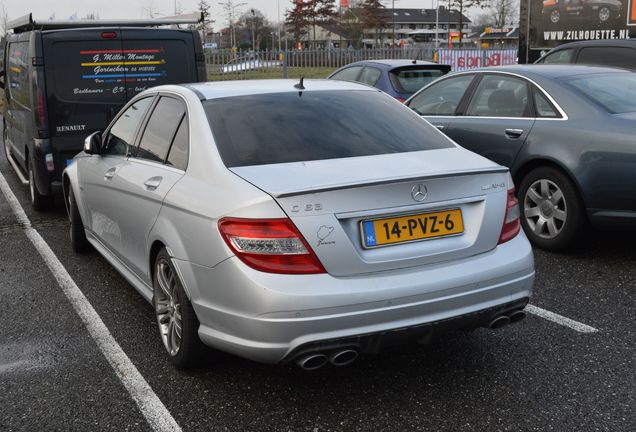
300, 85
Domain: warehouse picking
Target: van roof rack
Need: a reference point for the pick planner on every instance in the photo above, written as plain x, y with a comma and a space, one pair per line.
27, 23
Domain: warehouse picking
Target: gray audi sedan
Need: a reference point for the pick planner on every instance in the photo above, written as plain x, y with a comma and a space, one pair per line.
567, 133
306, 222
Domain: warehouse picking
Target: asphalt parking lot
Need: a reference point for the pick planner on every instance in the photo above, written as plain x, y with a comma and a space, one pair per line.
536, 375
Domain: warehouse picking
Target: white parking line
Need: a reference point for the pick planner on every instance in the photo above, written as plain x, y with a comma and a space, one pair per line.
151, 407
551, 316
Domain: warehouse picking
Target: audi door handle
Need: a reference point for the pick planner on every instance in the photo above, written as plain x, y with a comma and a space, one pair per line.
152, 183
110, 174
514, 133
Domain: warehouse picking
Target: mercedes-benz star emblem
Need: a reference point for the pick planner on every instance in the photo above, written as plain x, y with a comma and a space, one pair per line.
419, 192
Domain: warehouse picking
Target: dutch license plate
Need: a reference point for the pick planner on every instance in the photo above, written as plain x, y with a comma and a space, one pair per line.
414, 227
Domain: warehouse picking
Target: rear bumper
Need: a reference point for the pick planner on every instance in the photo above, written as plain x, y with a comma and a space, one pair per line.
271, 318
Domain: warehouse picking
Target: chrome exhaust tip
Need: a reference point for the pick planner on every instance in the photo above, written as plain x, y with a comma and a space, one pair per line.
517, 316
312, 361
343, 358
499, 322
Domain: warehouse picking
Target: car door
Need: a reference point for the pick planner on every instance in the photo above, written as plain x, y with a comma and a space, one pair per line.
18, 111
99, 184
439, 101
497, 118
145, 179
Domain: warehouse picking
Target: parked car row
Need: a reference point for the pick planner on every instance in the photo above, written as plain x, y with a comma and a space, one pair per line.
335, 221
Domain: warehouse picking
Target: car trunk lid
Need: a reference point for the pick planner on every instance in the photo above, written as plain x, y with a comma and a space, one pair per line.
330, 201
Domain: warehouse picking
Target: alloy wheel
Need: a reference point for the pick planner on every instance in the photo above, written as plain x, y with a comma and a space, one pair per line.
545, 209
604, 14
167, 307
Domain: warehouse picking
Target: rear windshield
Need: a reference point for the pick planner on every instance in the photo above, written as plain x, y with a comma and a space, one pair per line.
411, 80
616, 93
293, 126
101, 71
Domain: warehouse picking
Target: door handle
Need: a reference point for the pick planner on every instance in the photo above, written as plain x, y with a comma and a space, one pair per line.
152, 183
110, 173
514, 133
440, 127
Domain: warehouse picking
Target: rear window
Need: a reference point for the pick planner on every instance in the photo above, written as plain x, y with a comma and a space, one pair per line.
616, 93
306, 126
101, 71
411, 80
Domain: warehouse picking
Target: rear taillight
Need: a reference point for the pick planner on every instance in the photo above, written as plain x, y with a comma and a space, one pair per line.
512, 223
40, 109
270, 245
401, 99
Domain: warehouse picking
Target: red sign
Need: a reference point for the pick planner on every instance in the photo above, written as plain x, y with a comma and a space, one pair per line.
344, 4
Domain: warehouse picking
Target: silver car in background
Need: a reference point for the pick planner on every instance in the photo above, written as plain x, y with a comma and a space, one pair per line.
307, 222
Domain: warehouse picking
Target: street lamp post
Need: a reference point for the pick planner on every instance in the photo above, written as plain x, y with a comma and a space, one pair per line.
436, 23
393, 13
253, 30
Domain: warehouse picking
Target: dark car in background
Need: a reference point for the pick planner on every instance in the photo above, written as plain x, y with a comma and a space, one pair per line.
566, 133
614, 53
66, 79
601, 11
399, 78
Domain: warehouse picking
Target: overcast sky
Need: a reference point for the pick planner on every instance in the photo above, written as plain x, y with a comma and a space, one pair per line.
63, 9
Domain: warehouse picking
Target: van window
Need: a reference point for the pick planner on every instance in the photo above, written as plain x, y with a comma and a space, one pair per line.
150, 63
122, 135
160, 130
86, 71
608, 56
18, 72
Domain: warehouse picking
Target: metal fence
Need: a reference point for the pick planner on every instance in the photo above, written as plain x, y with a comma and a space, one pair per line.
228, 65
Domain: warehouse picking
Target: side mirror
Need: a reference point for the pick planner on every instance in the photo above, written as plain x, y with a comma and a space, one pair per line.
93, 143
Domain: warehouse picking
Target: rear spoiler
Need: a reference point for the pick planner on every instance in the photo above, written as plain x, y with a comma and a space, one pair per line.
27, 23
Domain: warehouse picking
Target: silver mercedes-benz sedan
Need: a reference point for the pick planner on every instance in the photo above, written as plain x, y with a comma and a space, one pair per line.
298, 221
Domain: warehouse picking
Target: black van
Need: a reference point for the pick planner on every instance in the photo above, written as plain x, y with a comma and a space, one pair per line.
64, 80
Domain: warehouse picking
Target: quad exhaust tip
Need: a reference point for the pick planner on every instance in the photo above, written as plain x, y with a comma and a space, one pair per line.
312, 361
343, 358
499, 322
517, 316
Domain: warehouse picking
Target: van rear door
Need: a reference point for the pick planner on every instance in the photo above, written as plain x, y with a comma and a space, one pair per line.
155, 57
85, 85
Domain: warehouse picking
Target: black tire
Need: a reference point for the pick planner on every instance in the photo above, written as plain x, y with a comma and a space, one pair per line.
191, 350
566, 205
554, 16
39, 202
79, 243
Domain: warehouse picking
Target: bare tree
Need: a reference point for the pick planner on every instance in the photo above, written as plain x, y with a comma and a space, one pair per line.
374, 17
4, 19
231, 9
150, 10
91, 16
503, 12
206, 25
464, 5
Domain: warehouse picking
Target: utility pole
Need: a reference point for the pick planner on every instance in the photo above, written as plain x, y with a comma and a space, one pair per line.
436, 23
279, 23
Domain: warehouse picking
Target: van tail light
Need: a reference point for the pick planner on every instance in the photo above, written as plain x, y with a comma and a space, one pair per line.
40, 110
270, 245
512, 221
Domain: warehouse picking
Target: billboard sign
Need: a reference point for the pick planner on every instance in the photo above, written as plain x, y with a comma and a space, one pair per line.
553, 22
